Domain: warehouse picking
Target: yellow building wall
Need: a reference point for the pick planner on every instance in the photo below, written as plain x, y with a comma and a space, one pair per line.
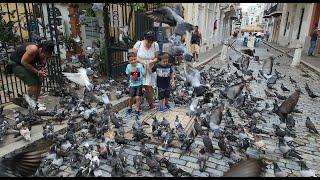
21, 11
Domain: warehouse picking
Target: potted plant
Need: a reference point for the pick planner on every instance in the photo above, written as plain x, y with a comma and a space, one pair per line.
68, 41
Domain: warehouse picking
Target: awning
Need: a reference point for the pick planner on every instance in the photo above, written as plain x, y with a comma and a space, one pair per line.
276, 13
252, 29
266, 16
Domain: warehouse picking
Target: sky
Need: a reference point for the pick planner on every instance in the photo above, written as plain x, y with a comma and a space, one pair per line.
245, 6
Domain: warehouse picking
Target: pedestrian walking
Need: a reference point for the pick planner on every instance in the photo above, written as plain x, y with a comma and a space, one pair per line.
196, 40
135, 71
313, 41
147, 54
29, 63
165, 78
251, 40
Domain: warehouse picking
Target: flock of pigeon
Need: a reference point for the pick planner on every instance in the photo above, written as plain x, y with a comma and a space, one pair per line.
215, 96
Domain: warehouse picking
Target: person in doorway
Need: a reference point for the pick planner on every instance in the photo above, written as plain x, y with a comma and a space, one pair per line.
29, 62
196, 40
251, 40
165, 78
313, 41
147, 54
135, 71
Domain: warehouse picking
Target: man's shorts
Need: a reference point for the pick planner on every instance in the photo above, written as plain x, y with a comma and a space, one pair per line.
163, 93
135, 91
195, 48
23, 74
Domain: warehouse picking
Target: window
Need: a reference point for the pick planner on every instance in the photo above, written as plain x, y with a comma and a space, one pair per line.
301, 18
285, 27
92, 27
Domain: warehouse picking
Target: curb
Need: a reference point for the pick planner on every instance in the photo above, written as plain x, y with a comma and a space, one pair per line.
311, 67
211, 58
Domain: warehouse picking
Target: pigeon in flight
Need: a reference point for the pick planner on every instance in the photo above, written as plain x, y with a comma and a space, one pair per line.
80, 78
172, 17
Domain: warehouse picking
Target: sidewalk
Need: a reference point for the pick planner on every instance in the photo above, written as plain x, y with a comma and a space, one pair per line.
210, 54
309, 61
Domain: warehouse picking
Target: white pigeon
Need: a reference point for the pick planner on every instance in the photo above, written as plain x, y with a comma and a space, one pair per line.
80, 78
25, 133
104, 98
77, 39
194, 78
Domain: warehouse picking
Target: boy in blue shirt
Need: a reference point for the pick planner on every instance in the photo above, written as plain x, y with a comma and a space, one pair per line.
135, 71
165, 77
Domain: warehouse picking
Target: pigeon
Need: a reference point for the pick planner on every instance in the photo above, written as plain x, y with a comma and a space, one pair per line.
202, 160
310, 126
292, 80
305, 171
287, 106
123, 156
267, 66
143, 149
278, 172
174, 170
153, 165
288, 151
155, 124
137, 161
216, 117
165, 123
124, 36
80, 78
246, 168
120, 139
268, 94
103, 99
310, 93
284, 88
197, 128
208, 147
187, 142
278, 131
279, 96
168, 139
171, 17
243, 144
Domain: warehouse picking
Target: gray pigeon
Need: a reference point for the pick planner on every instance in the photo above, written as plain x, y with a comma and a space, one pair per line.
172, 18
310, 126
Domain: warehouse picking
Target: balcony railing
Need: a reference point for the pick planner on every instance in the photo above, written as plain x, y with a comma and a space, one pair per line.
273, 10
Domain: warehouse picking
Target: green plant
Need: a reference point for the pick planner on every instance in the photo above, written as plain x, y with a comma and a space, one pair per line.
68, 41
100, 57
6, 29
90, 12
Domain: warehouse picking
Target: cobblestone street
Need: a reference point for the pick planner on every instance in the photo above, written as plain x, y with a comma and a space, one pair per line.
217, 164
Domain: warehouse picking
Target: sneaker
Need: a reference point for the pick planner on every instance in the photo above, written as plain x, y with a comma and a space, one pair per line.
152, 107
162, 110
167, 106
137, 113
129, 111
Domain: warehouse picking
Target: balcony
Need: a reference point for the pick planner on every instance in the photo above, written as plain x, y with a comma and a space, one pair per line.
276, 10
